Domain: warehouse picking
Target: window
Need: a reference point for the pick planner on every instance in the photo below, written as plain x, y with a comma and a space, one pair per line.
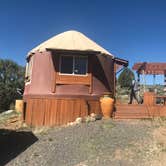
75, 65
28, 69
67, 64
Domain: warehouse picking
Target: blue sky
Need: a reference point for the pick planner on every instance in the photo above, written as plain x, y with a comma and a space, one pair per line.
131, 29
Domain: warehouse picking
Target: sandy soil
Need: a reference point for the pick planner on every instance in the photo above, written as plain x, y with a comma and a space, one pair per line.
99, 143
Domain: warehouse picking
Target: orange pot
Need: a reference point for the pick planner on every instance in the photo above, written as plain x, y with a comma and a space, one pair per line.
107, 106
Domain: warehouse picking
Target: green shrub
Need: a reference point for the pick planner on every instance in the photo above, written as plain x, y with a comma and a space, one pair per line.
11, 78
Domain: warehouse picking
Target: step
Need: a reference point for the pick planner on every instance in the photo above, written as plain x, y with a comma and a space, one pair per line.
132, 117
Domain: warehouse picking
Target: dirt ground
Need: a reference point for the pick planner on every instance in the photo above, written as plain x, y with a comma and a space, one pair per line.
99, 143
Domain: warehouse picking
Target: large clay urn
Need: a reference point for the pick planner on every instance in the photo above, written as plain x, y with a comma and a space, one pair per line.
107, 105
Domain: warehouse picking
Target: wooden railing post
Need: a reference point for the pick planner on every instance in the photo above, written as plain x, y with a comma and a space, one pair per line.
149, 98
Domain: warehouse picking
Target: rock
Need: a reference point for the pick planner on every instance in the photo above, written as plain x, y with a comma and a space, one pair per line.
7, 112
90, 119
39, 130
93, 115
78, 120
87, 119
24, 125
98, 117
71, 124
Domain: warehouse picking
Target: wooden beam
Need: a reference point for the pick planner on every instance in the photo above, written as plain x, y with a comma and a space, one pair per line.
90, 70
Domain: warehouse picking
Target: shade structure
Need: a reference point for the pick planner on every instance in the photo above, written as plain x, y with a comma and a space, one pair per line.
150, 68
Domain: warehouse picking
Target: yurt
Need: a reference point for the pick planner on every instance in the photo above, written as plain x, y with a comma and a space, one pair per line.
65, 78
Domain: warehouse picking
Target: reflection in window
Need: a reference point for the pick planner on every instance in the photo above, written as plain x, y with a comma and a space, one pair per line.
75, 65
67, 64
80, 66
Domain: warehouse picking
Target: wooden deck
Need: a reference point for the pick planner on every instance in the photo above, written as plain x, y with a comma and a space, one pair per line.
58, 111
138, 111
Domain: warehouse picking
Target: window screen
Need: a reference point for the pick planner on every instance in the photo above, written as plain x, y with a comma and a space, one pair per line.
80, 66
73, 65
67, 64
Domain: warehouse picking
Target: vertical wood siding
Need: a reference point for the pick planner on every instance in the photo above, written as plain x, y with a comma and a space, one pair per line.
50, 112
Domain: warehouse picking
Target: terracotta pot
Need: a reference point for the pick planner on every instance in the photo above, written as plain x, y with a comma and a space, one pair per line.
107, 106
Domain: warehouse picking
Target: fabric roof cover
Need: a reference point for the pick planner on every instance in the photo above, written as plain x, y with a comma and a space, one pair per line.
70, 40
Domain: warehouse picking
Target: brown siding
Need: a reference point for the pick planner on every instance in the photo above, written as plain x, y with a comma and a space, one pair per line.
42, 75
47, 109
45, 78
103, 74
49, 112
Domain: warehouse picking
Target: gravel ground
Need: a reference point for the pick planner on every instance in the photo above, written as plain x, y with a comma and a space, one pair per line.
100, 143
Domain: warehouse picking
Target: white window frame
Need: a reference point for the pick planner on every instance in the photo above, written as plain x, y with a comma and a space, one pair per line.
28, 72
73, 74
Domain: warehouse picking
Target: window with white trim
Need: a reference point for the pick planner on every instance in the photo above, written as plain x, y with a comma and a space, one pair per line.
28, 72
73, 64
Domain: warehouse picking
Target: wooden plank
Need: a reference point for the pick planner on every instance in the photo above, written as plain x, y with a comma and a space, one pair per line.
90, 71
55, 110
61, 111
77, 106
139, 111
76, 79
52, 111
28, 114
71, 117
114, 77
58, 111
53, 73
94, 106
82, 109
38, 110
33, 113
47, 112
53, 106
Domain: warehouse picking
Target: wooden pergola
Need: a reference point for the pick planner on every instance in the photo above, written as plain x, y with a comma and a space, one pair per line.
151, 69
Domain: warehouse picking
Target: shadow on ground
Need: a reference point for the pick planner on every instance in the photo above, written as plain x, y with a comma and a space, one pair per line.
12, 143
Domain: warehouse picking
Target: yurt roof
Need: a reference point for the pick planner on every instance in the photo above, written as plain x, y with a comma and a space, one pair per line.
70, 40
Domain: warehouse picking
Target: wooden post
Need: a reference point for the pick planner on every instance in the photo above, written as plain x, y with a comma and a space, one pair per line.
53, 74
90, 71
114, 91
144, 81
149, 98
154, 79
165, 82
138, 77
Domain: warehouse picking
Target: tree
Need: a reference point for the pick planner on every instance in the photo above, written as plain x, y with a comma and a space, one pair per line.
125, 78
11, 78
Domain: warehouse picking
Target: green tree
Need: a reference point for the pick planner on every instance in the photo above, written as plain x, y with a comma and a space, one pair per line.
125, 78
11, 78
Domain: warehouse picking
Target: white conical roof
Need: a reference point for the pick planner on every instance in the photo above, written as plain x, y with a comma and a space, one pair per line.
70, 40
